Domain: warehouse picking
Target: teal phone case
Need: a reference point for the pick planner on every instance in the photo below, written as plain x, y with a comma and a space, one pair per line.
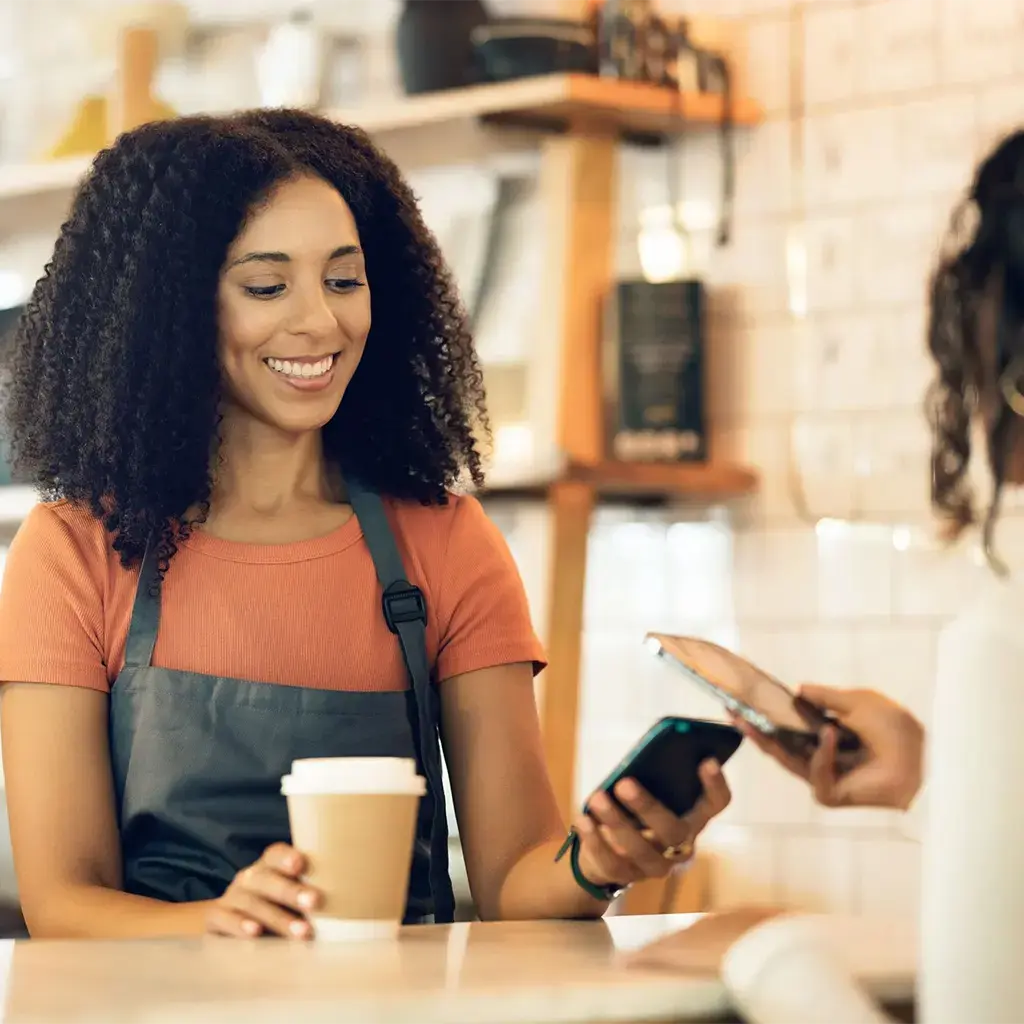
666, 758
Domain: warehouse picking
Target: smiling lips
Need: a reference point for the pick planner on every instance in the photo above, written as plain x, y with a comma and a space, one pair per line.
307, 373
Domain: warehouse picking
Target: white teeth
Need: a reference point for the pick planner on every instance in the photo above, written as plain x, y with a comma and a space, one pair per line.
303, 370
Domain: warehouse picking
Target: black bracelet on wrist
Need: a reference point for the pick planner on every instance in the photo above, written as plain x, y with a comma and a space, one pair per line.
604, 893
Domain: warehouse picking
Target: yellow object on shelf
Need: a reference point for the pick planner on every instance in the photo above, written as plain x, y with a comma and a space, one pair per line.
98, 120
87, 132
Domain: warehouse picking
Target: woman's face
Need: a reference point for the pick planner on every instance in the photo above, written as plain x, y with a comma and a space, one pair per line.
294, 308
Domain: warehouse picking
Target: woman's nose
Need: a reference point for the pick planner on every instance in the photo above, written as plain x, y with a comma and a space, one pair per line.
314, 315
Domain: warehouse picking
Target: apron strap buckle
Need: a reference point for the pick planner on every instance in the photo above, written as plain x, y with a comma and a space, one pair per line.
402, 603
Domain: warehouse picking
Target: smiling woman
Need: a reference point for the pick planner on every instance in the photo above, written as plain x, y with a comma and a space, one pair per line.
294, 319
246, 384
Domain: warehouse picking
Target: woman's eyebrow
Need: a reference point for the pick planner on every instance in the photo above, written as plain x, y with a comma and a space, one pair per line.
283, 257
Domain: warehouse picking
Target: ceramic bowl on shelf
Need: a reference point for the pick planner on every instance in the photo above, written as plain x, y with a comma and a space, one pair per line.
509, 48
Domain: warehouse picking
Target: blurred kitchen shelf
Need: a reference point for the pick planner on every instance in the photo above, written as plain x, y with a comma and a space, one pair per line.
552, 102
18, 181
573, 102
706, 481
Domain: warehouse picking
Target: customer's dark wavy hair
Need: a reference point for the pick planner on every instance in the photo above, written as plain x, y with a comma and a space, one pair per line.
113, 381
983, 261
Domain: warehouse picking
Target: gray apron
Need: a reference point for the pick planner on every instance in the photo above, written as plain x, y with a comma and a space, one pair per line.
197, 759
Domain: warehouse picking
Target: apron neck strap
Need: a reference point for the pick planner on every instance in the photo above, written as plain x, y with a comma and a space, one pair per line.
145, 621
405, 612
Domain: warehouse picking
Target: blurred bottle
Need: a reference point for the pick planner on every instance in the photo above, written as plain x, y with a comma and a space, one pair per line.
289, 67
621, 28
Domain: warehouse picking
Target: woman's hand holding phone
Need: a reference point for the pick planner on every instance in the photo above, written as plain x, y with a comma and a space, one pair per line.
618, 850
888, 769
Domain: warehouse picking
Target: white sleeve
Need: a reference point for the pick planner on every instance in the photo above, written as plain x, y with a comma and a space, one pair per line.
913, 820
972, 888
783, 971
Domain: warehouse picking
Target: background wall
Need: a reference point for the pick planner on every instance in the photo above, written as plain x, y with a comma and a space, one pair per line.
877, 111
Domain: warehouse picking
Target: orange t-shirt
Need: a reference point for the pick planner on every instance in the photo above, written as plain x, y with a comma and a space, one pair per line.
302, 614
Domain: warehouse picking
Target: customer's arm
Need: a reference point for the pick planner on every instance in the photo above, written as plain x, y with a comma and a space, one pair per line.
889, 769
60, 801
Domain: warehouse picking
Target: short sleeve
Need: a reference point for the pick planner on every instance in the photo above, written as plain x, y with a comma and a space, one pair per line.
482, 606
51, 606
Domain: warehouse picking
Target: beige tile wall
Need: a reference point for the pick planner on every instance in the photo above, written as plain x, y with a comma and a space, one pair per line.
877, 110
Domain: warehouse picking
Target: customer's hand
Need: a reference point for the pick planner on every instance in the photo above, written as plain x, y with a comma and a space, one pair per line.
886, 773
266, 898
617, 851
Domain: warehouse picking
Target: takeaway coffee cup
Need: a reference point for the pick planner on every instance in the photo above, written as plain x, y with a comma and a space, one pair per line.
354, 818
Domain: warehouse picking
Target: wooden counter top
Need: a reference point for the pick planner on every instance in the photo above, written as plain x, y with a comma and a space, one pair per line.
512, 973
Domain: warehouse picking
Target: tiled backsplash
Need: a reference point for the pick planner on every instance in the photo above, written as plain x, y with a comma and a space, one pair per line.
877, 110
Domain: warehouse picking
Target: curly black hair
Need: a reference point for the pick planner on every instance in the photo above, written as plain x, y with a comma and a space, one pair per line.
113, 381
983, 260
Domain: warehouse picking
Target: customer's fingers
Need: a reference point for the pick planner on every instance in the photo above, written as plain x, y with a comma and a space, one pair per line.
792, 763
828, 698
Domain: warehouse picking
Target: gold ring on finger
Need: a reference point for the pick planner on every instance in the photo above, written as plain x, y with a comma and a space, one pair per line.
678, 852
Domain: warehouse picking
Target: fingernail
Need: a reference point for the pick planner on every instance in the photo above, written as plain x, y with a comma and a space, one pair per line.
293, 864
307, 900
250, 928
299, 929
628, 789
712, 767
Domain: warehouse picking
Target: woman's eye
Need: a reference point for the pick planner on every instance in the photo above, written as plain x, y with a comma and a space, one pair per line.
343, 284
263, 291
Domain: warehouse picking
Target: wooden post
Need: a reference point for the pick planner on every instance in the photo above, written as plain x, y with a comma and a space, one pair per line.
578, 175
571, 505
132, 101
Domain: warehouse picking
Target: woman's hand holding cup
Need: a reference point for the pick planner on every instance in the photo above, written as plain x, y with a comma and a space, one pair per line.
266, 898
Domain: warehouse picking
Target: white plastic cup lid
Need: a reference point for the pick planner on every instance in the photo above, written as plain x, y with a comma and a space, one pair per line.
354, 775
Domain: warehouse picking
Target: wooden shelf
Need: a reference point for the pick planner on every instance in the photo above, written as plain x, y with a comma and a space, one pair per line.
709, 481
18, 181
584, 103
579, 102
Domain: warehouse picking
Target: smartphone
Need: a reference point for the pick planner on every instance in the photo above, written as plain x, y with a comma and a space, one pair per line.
666, 759
753, 695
